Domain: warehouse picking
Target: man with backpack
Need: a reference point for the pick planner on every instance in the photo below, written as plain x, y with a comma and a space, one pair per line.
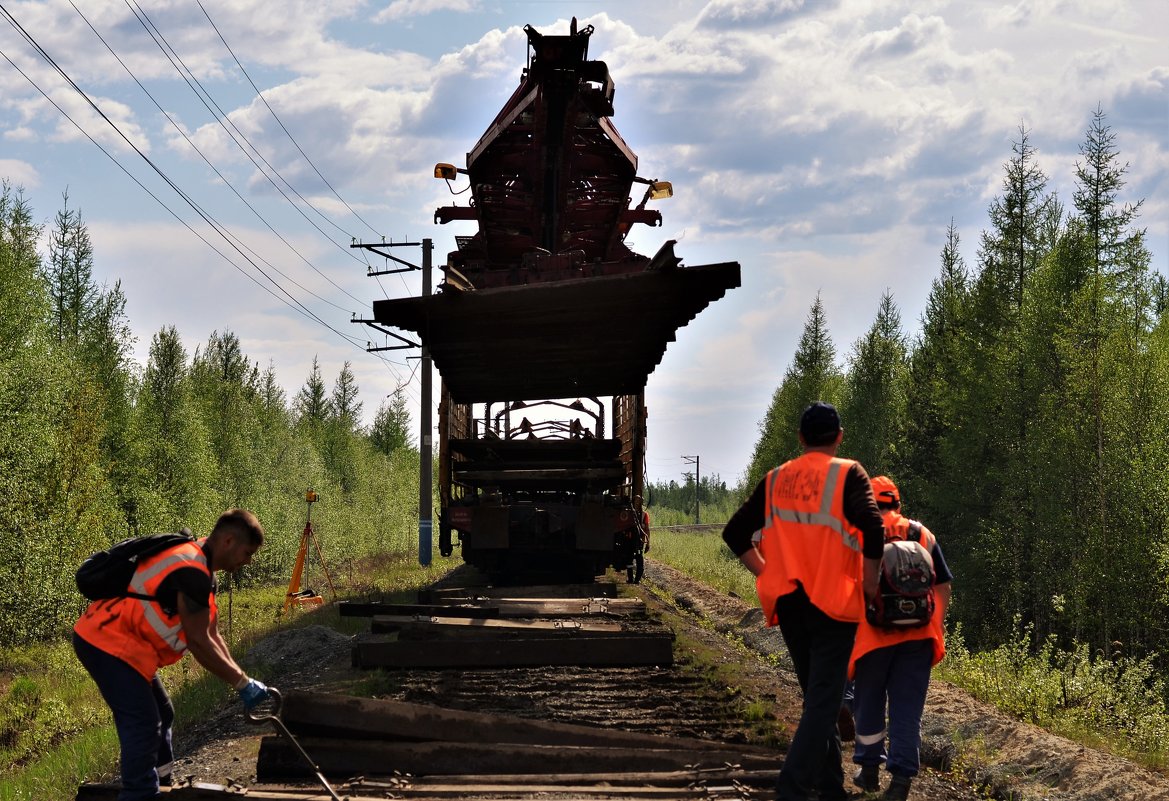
897, 645
167, 609
815, 566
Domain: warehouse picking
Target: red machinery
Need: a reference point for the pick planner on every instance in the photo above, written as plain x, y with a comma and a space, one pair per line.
545, 307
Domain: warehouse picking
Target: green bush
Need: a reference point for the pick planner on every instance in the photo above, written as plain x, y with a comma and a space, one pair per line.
1116, 700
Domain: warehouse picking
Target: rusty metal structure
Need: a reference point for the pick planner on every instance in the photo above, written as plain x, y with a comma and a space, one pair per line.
546, 327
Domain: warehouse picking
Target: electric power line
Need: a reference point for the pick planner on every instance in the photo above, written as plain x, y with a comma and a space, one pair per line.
291, 301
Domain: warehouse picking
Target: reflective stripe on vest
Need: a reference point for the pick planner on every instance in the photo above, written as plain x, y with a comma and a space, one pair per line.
137, 631
141, 583
806, 540
824, 517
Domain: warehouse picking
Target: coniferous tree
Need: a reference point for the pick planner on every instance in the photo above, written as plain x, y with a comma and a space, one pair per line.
312, 401
339, 444
226, 385
813, 375
344, 405
875, 393
391, 428
1118, 303
70, 275
937, 366
176, 458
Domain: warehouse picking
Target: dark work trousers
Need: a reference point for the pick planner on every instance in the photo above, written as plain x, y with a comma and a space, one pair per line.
897, 675
143, 715
820, 647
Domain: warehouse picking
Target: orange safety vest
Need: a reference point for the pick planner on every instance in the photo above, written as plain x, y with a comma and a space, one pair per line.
138, 631
807, 541
869, 637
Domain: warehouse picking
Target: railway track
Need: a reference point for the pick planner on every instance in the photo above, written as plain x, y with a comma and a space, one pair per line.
615, 725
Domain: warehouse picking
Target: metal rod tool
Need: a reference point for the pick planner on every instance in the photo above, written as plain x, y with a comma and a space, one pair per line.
258, 715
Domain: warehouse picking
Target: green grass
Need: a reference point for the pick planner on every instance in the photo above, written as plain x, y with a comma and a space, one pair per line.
57, 733
704, 556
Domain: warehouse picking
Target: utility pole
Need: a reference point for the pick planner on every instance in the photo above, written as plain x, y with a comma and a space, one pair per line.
696, 461
425, 449
426, 438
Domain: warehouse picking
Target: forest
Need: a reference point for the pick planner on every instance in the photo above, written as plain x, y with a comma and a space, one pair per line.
95, 448
1027, 422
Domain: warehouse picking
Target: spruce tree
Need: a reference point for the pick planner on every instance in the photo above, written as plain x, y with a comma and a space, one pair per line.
391, 425
875, 393
813, 375
312, 405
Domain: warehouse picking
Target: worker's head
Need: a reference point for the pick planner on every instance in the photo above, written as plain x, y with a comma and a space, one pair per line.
234, 540
886, 492
820, 426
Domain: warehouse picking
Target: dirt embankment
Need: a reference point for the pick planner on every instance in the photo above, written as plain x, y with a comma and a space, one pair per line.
1008, 758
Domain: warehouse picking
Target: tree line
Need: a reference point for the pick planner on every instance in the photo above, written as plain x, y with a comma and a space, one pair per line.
672, 503
95, 448
1027, 423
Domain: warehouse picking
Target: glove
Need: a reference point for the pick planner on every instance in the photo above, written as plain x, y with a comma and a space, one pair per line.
252, 694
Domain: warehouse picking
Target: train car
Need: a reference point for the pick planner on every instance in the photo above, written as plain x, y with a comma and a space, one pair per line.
546, 327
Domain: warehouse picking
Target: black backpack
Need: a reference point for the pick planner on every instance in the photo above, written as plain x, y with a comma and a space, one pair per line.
107, 574
906, 596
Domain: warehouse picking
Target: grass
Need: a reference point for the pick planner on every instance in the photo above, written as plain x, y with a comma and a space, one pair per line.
1114, 704
55, 730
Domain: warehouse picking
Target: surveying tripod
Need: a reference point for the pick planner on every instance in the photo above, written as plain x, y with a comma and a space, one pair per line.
295, 595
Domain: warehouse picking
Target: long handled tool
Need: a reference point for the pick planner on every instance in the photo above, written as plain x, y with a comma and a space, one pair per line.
273, 714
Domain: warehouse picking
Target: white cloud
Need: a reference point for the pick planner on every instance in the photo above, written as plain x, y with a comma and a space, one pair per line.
19, 173
404, 9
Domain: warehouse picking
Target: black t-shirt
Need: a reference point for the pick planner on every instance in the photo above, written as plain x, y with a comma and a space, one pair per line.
195, 585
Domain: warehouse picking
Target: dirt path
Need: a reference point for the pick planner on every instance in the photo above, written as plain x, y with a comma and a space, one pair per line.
1008, 758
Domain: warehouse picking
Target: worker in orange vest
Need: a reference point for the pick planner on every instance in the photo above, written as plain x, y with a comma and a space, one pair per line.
122, 642
815, 567
893, 668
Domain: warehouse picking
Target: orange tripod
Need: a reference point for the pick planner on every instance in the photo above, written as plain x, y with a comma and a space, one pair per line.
295, 595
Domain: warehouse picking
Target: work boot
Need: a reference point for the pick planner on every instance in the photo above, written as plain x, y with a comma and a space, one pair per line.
868, 778
898, 789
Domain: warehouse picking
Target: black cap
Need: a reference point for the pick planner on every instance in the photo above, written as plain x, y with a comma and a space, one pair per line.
819, 424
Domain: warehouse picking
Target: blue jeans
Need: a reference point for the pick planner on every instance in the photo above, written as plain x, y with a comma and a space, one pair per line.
143, 715
820, 647
897, 676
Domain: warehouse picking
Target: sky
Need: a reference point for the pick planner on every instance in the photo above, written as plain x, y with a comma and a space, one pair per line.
825, 145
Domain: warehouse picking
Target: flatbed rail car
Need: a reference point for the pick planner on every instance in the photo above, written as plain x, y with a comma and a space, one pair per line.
546, 307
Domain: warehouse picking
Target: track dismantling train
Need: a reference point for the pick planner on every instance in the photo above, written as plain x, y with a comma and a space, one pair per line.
546, 327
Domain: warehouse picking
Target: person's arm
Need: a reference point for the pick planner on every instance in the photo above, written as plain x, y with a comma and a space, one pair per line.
860, 509
207, 646
943, 576
942, 597
748, 519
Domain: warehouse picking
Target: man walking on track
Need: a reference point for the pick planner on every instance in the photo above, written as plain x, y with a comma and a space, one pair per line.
815, 568
122, 642
893, 667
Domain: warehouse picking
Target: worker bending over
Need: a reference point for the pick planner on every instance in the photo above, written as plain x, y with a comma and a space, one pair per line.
122, 642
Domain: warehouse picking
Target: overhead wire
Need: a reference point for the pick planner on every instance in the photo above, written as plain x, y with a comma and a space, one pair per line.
280, 122
291, 301
205, 97
227, 182
292, 139
224, 121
